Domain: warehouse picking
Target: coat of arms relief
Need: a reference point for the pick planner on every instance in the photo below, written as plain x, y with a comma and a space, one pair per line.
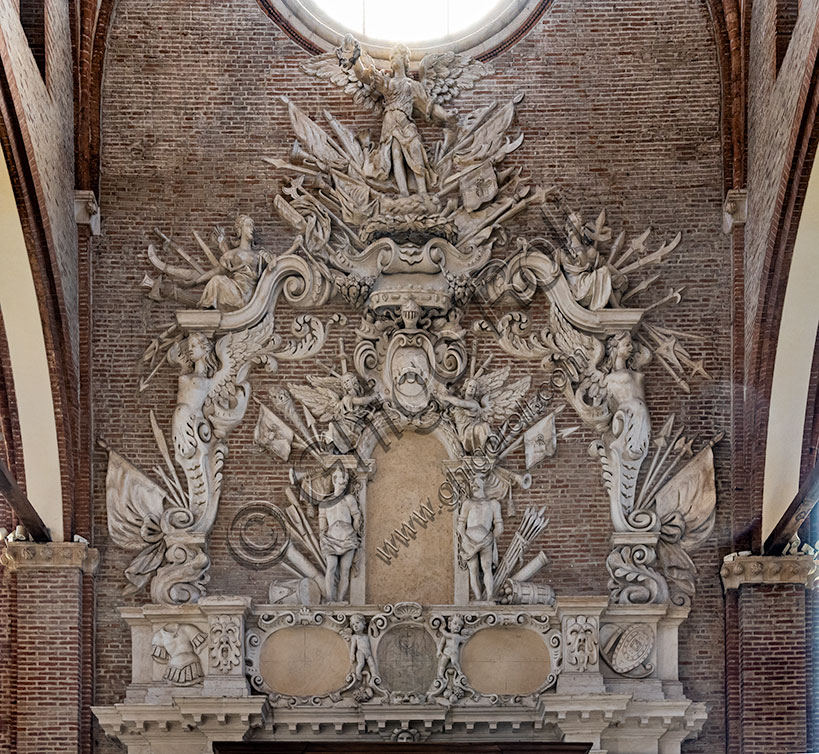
417, 235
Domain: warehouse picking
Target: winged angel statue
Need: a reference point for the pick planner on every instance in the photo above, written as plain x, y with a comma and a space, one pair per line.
487, 400
400, 152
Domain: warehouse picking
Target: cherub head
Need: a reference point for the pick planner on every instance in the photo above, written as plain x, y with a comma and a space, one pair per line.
456, 623
400, 59
357, 623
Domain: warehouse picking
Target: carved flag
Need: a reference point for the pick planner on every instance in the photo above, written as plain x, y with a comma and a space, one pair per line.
692, 494
131, 499
540, 440
272, 433
479, 186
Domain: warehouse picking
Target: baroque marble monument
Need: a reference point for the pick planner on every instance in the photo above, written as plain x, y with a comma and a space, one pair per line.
457, 316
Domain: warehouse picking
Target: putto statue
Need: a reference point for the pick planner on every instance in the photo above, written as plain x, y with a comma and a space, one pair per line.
487, 399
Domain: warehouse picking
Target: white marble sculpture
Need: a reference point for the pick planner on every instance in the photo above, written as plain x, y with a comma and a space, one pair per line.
408, 234
480, 524
230, 281
340, 525
412, 229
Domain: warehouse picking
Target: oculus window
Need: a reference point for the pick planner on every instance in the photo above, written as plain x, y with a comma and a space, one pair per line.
482, 28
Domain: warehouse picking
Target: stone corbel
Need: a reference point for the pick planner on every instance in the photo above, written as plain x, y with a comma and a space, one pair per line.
22, 555
87, 210
734, 210
766, 569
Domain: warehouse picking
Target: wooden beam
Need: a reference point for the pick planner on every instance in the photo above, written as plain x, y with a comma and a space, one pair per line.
799, 509
22, 506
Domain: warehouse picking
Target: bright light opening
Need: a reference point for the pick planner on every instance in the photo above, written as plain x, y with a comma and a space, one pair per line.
409, 20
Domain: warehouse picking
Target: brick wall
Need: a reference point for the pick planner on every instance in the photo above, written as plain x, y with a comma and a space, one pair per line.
618, 112
772, 677
772, 111
48, 658
812, 669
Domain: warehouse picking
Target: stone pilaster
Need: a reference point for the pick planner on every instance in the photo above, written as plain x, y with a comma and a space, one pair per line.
766, 613
49, 629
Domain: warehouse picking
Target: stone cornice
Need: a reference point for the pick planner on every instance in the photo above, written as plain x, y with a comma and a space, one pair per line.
20, 555
762, 569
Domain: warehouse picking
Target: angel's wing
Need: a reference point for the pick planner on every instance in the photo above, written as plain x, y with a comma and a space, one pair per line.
321, 398
691, 493
503, 400
133, 500
446, 74
229, 390
580, 352
329, 68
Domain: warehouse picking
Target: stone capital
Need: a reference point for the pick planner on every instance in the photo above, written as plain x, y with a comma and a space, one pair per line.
765, 569
21, 555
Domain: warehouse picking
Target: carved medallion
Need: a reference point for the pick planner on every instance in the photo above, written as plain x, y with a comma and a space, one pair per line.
407, 659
